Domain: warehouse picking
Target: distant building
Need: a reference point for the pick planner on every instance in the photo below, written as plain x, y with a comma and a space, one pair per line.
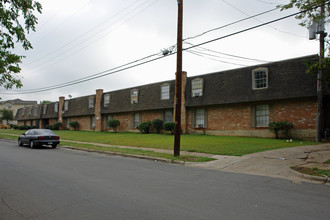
14, 105
238, 102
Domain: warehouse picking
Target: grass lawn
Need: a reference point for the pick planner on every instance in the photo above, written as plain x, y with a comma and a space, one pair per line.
223, 145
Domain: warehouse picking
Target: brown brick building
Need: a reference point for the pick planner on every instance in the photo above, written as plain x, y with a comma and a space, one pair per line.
239, 102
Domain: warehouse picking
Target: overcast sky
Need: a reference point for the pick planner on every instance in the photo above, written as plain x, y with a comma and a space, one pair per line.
79, 38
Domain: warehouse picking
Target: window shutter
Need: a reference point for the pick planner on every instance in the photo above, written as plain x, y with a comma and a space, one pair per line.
205, 118
193, 116
253, 116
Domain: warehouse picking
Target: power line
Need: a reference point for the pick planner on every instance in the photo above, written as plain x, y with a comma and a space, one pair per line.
230, 55
78, 43
200, 54
105, 73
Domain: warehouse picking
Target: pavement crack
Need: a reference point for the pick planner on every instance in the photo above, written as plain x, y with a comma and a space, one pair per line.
3, 200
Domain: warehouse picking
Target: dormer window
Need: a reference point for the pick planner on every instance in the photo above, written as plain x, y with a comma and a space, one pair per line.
197, 87
260, 78
165, 92
44, 109
35, 111
134, 96
91, 102
30, 111
66, 106
23, 112
106, 100
56, 107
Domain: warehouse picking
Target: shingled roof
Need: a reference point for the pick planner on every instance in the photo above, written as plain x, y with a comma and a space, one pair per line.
286, 79
149, 99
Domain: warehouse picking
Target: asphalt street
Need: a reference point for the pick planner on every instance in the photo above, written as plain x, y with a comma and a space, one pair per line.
67, 184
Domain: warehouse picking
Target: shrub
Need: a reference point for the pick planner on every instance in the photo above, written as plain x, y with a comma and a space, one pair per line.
283, 126
74, 125
158, 125
24, 127
15, 127
57, 125
169, 126
113, 123
144, 127
50, 127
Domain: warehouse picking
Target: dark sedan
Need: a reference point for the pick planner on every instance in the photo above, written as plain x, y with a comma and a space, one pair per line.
39, 137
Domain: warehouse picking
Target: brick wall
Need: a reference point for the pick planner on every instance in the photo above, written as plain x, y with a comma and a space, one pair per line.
84, 122
235, 119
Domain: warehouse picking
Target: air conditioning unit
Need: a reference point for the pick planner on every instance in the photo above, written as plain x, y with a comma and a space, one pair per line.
196, 94
135, 102
200, 125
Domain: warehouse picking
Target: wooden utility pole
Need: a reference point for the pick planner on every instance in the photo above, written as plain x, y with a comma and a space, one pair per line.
320, 82
178, 82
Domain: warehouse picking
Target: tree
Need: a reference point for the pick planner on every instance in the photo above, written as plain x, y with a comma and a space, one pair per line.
310, 10
45, 102
113, 123
7, 114
12, 14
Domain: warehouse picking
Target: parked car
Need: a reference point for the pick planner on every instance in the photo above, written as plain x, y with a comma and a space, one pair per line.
39, 137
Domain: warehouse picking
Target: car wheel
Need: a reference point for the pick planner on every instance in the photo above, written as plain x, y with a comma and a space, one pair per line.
54, 145
32, 144
20, 142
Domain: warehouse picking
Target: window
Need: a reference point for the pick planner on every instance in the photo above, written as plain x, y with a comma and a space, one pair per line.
136, 120
134, 96
197, 87
23, 112
260, 78
56, 107
109, 117
199, 118
165, 92
66, 105
68, 123
44, 109
30, 111
35, 111
168, 116
106, 100
91, 102
8, 106
92, 122
262, 115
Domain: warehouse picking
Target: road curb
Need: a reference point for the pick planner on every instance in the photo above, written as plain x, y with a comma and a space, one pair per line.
156, 159
323, 180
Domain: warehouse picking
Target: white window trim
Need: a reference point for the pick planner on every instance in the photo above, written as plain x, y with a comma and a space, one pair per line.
91, 102
107, 98
193, 90
56, 107
138, 122
134, 98
66, 106
168, 92
253, 78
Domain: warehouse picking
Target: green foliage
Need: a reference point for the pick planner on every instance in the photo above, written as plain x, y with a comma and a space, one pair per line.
24, 127
283, 126
169, 126
45, 102
7, 114
310, 11
144, 127
12, 13
56, 126
74, 125
157, 124
113, 123
314, 67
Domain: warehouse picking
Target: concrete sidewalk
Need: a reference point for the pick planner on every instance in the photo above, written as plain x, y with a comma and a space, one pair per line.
275, 163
